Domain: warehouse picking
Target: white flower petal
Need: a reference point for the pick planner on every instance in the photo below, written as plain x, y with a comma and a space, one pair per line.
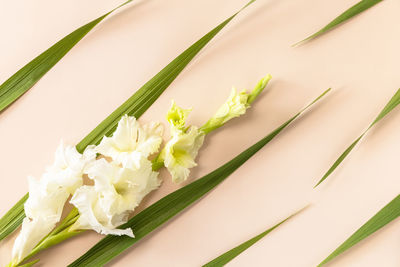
31, 233
131, 141
180, 153
92, 216
150, 138
115, 194
47, 197
45, 200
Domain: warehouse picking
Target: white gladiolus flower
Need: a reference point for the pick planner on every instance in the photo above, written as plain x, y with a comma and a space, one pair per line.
48, 195
115, 194
180, 153
33, 230
131, 141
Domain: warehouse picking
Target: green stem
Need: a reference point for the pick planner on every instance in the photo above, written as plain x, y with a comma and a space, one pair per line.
158, 162
68, 221
59, 234
52, 240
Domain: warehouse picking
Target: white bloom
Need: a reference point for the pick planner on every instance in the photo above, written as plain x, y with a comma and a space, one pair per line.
48, 196
115, 194
180, 152
32, 232
131, 141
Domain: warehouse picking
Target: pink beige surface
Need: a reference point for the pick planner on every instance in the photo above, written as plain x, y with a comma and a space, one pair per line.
359, 60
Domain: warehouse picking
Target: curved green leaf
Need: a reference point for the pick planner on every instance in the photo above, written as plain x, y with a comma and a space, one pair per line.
348, 14
160, 212
387, 214
233, 253
136, 105
31, 73
394, 101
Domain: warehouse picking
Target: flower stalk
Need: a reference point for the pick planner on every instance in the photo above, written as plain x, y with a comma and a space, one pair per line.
122, 177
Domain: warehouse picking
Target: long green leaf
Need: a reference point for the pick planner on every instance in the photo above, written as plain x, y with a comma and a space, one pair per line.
31, 73
387, 214
348, 14
160, 212
13, 218
394, 101
136, 105
233, 253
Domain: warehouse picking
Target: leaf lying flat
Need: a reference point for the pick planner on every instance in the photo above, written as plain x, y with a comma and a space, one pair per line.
160, 212
13, 218
390, 212
136, 105
233, 253
348, 14
394, 101
31, 73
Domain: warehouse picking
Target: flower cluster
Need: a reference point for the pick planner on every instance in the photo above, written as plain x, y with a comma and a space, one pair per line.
180, 151
121, 174
119, 185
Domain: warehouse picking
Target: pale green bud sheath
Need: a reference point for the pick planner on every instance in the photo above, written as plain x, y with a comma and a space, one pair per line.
235, 106
258, 89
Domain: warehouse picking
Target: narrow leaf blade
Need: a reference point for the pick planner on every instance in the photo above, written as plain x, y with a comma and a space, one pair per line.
136, 105
393, 102
13, 218
387, 214
339, 160
348, 14
236, 251
160, 212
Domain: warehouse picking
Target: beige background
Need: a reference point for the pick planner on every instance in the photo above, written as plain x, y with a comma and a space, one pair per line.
359, 61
